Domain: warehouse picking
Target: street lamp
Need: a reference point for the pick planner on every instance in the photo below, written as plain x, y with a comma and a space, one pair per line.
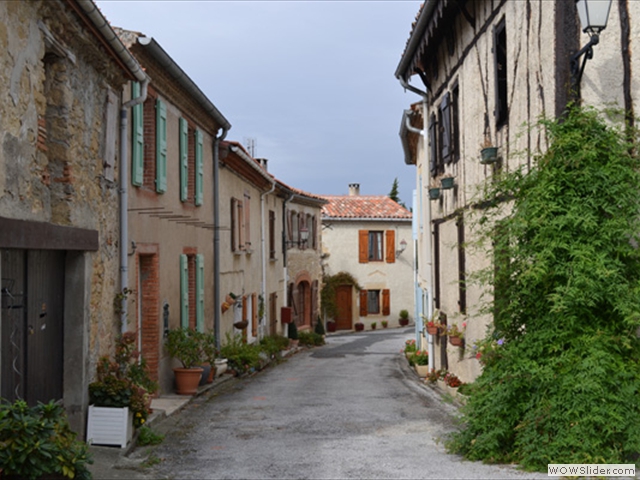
593, 17
403, 247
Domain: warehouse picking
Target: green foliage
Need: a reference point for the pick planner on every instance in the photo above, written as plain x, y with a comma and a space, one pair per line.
394, 194
319, 328
37, 441
404, 314
310, 338
274, 344
328, 293
240, 356
419, 357
292, 331
563, 386
146, 436
209, 350
124, 381
186, 345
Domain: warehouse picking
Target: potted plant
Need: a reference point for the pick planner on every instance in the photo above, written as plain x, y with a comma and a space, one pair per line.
319, 328
292, 333
434, 326
185, 345
384, 323
331, 325
359, 326
229, 300
447, 183
119, 398
420, 360
488, 152
374, 325
456, 335
210, 352
404, 318
409, 349
37, 442
434, 193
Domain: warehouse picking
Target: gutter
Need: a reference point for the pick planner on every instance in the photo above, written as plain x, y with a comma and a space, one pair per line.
169, 65
217, 312
263, 247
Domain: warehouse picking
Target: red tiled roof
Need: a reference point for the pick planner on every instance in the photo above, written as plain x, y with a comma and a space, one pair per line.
363, 206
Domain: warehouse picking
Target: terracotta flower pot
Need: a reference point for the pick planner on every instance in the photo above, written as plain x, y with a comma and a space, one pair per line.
432, 330
331, 326
456, 341
187, 380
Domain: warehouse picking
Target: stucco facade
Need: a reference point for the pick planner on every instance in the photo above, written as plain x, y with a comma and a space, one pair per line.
384, 270
484, 72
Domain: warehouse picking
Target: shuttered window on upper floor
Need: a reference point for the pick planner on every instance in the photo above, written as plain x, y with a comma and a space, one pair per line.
137, 134
199, 168
161, 146
184, 160
376, 246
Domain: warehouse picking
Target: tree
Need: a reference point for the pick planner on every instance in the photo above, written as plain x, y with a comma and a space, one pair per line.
394, 194
561, 376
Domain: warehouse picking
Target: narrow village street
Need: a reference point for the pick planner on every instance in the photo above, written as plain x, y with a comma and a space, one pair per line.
350, 409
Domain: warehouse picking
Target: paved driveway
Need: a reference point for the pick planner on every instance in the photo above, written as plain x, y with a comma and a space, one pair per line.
350, 409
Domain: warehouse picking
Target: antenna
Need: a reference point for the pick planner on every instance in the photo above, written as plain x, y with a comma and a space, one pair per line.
251, 144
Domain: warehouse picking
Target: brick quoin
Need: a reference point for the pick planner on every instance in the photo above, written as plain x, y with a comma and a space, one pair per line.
150, 297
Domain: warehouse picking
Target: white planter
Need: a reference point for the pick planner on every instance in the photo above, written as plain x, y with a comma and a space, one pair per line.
109, 426
221, 366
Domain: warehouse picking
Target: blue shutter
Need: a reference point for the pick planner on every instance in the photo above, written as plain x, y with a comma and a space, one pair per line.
161, 147
137, 147
200, 292
184, 160
199, 169
184, 291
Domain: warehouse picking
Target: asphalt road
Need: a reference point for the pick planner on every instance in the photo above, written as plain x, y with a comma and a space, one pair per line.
349, 410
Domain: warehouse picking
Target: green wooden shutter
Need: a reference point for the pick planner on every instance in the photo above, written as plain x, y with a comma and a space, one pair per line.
137, 148
200, 292
184, 160
161, 146
199, 169
184, 291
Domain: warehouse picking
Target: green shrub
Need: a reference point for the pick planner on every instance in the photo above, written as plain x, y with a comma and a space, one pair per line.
274, 344
310, 338
146, 436
561, 384
292, 331
319, 328
240, 356
37, 441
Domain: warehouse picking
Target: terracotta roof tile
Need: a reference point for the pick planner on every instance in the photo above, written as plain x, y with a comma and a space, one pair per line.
363, 206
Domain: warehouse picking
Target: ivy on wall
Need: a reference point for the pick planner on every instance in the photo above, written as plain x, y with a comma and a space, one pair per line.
562, 384
328, 294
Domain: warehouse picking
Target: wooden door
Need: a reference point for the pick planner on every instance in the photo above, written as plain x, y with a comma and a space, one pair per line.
344, 302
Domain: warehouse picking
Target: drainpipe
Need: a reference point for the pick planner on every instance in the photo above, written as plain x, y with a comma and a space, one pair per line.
216, 235
285, 274
424, 133
263, 247
124, 201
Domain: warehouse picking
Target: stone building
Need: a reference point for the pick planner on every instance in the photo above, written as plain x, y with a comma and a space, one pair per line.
483, 71
369, 237
62, 74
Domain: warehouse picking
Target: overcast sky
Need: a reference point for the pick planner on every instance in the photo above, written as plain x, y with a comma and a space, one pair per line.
312, 83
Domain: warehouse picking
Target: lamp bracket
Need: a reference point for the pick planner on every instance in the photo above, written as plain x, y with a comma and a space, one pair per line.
576, 68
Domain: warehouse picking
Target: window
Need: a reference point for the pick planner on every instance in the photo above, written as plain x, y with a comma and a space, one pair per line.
455, 123
373, 244
374, 302
272, 235
247, 221
199, 168
192, 291
161, 146
444, 116
500, 58
237, 225
433, 145
137, 148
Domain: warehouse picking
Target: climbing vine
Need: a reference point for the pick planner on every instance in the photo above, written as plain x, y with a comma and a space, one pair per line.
563, 384
328, 294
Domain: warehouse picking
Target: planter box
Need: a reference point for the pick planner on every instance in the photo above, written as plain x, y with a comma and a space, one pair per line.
109, 426
422, 370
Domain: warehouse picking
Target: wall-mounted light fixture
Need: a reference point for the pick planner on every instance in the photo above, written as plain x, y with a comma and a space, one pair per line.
403, 247
303, 235
593, 17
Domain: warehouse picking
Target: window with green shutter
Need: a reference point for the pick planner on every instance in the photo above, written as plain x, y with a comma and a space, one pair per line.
199, 170
137, 135
161, 146
184, 291
200, 292
184, 160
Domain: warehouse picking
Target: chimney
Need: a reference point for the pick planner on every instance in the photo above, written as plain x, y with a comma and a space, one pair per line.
263, 162
354, 189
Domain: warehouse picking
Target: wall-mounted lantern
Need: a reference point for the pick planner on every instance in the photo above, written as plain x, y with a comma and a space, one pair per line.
593, 17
